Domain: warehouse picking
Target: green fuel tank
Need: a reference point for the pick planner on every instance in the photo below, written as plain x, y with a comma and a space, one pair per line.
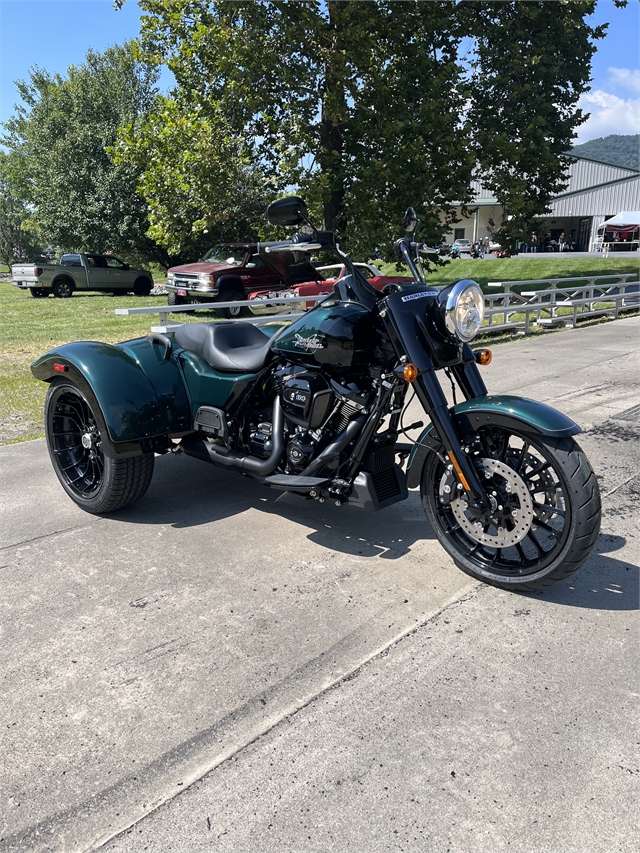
334, 336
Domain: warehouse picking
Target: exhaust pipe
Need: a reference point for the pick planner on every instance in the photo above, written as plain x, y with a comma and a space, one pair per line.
333, 450
245, 463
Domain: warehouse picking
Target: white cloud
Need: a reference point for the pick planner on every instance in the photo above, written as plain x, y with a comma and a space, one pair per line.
609, 114
625, 78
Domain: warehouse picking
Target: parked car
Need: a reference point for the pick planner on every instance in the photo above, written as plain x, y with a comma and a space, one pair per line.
462, 247
330, 275
234, 271
104, 273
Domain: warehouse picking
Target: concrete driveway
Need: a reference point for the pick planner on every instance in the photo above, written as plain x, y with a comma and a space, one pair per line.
223, 668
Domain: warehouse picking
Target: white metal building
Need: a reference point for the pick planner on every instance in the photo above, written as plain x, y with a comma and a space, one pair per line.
596, 192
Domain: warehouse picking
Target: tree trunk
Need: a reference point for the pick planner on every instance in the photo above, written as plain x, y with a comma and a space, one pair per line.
332, 126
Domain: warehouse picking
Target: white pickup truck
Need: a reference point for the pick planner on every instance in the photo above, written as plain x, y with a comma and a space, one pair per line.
81, 272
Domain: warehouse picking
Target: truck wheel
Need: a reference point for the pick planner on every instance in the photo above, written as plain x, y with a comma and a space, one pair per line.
63, 288
142, 287
231, 313
38, 292
174, 299
96, 482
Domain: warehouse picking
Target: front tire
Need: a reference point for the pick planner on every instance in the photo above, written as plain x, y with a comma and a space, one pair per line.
174, 299
545, 516
95, 482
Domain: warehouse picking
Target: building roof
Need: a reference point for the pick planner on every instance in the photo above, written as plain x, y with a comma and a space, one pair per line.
591, 184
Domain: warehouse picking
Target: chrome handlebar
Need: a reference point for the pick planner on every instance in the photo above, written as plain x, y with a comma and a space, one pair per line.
295, 247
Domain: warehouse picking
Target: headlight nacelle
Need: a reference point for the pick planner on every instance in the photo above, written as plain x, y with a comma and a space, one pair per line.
464, 310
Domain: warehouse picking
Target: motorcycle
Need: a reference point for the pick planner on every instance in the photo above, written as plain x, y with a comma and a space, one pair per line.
317, 408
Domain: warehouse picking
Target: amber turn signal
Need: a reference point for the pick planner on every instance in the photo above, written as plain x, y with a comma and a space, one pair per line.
483, 356
410, 372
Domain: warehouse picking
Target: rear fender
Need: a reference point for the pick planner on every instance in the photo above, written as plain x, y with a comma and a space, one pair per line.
519, 413
137, 393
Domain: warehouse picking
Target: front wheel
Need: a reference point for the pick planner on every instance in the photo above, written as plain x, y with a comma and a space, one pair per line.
174, 299
545, 509
96, 482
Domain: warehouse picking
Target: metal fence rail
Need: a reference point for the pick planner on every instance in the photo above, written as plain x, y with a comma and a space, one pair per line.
568, 288
587, 299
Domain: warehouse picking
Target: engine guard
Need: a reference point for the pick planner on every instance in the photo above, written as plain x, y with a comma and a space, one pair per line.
521, 413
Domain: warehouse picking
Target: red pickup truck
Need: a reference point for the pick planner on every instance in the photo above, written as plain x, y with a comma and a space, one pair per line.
231, 272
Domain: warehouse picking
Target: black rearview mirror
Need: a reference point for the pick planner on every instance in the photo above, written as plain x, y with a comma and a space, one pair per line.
410, 219
287, 211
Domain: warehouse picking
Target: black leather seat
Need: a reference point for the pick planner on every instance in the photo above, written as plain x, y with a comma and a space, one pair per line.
235, 347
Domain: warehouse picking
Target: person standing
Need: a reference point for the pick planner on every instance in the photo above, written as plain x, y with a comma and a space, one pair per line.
534, 242
561, 242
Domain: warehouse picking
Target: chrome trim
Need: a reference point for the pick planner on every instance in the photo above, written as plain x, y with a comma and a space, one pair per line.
452, 302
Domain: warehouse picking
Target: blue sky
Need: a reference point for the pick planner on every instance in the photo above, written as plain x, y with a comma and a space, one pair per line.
57, 33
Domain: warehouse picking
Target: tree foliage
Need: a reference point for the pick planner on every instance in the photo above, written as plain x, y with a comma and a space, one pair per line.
615, 149
357, 105
60, 138
199, 183
369, 107
18, 240
532, 62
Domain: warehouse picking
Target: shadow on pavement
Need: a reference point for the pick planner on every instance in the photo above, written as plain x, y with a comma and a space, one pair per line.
199, 497
204, 494
602, 583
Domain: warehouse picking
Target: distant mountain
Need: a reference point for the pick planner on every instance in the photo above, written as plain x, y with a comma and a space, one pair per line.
617, 150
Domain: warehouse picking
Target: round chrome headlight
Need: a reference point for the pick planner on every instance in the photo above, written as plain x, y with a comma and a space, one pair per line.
464, 310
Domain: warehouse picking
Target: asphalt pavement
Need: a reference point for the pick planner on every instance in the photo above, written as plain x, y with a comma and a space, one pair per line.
224, 668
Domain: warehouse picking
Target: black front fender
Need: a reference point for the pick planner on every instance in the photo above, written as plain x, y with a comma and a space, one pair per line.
519, 413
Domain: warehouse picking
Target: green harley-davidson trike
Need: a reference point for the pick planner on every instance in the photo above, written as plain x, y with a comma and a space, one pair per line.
316, 408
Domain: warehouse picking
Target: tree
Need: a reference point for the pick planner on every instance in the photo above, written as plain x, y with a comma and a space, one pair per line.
199, 184
530, 66
369, 107
355, 104
60, 137
18, 241
619, 150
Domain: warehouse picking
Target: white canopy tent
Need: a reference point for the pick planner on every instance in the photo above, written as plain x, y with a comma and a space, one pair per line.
624, 219
621, 233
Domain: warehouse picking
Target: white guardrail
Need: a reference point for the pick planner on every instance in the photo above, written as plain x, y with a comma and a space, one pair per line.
559, 301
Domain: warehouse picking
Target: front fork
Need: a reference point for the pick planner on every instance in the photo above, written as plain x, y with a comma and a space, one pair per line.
435, 404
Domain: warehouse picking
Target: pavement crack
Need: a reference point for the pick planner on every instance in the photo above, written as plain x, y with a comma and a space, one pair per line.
620, 485
48, 535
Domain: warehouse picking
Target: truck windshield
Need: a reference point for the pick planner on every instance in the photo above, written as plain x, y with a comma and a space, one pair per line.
232, 255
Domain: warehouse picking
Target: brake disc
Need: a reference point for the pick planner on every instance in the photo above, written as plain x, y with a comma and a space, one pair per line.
512, 508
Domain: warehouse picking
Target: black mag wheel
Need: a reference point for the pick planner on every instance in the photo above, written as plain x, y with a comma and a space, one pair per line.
96, 482
545, 509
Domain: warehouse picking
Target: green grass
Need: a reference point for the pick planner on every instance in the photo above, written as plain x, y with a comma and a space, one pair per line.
523, 269
29, 327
